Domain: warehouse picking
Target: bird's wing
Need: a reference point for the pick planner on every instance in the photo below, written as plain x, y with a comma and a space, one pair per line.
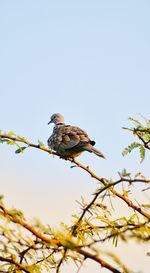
72, 136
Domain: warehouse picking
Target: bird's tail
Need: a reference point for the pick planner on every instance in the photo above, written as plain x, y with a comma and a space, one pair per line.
91, 149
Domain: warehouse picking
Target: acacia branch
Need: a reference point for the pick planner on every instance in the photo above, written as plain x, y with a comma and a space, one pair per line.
29, 144
141, 137
28, 227
57, 242
122, 229
107, 184
86, 254
97, 258
80, 165
13, 261
61, 260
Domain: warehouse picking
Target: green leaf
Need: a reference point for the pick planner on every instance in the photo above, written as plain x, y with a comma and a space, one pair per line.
128, 149
11, 133
148, 123
142, 152
137, 122
128, 129
132, 146
23, 139
115, 239
1, 197
124, 173
20, 150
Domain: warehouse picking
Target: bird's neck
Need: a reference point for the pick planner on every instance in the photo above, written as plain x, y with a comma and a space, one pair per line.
58, 124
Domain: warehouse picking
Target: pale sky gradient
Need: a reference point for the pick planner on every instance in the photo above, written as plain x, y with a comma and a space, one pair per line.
90, 61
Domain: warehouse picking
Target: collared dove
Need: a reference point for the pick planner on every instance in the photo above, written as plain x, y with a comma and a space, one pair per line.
69, 141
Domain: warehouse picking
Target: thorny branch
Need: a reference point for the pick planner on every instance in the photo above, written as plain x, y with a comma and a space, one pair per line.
121, 229
104, 181
14, 262
139, 133
96, 195
56, 244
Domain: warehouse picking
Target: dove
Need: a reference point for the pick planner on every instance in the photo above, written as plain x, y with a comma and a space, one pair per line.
69, 141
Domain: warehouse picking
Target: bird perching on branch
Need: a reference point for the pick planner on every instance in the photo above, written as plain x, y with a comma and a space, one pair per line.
70, 141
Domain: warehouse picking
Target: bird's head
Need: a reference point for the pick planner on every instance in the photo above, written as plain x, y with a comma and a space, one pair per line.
56, 118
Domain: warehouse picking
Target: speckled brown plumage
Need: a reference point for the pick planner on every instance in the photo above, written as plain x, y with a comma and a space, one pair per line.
69, 141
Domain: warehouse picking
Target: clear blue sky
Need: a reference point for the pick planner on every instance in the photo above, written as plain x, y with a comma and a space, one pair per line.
90, 61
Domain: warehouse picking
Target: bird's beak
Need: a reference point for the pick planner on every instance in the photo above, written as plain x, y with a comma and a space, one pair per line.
49, 122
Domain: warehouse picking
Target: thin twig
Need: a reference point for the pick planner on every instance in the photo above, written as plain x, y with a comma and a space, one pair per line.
13, 261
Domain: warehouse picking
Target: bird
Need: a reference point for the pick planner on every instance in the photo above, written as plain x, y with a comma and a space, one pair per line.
69, 141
